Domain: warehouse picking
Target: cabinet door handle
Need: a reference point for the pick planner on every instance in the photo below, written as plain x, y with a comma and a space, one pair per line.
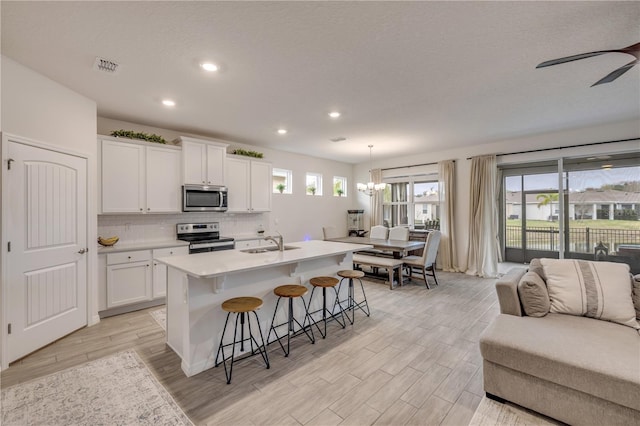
170, 252
82, 251
147, 265
203, 182
148, 208
129, 257
140, 208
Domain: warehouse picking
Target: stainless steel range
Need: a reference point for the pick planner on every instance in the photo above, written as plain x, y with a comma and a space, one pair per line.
203, 237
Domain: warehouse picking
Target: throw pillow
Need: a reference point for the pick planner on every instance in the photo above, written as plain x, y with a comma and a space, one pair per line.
599, 290
533, 295
636, 295
536, 266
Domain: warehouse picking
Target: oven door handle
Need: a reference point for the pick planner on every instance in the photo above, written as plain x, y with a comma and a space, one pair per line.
196, 246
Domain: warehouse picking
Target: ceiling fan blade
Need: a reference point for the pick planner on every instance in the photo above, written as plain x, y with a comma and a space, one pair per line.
573, 58
615, 74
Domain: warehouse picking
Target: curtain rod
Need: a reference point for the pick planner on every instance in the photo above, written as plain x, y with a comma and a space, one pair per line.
563, 147
413, 165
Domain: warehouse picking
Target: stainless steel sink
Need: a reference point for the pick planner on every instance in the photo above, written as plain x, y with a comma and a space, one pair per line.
267, 249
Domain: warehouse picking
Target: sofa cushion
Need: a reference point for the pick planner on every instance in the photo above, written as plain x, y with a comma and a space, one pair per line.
600, 290
596, 357
533, 295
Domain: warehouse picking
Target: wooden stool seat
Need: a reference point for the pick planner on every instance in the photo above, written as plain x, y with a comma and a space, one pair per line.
349, 273
241, 304
324, 281
290, 290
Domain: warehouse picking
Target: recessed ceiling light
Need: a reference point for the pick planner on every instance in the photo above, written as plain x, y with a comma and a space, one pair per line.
334, 114
282, 131
168, 102
208, 66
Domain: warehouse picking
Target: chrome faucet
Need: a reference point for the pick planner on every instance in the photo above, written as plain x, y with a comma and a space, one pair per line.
279, 242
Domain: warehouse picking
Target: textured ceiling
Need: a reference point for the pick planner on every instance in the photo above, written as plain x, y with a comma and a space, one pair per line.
408, 77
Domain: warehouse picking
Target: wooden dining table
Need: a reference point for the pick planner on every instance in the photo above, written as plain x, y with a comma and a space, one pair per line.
398, 247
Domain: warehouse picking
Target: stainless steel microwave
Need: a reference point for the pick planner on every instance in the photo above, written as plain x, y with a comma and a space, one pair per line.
204, 198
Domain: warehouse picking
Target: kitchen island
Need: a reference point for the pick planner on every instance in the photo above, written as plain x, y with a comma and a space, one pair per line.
197, 284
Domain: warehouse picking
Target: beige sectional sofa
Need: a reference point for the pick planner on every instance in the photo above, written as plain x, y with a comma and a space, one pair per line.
575, 369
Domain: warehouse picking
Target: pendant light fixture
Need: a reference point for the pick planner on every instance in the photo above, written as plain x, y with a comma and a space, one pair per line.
370, 187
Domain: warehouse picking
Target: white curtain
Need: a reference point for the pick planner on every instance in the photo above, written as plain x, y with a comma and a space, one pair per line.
447, 253
376, 199
484, 251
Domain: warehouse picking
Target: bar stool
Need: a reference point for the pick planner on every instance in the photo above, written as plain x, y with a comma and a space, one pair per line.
351, 301
291, 291
324, 283
241, 306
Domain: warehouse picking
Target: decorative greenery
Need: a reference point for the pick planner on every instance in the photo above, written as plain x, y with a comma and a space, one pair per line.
281, 187
311, 189
247, 153
138, 135
340, 192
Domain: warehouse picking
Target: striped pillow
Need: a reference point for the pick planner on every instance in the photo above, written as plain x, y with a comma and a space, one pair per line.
600, 290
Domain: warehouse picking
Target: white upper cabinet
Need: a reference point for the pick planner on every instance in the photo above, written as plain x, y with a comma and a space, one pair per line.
203, 162
139, 177
163, 180
249, 184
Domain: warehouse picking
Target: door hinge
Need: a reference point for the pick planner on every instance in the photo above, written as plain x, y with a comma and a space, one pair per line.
9, 246
9, 328
9, 161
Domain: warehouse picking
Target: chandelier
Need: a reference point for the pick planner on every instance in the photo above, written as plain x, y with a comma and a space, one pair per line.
370, 188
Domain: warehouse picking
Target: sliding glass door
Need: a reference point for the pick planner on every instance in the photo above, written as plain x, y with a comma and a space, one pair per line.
531, 216
596, 213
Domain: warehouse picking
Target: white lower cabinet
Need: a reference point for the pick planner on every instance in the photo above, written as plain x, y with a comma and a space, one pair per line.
160, 269
246, 244
132, 277
128, 283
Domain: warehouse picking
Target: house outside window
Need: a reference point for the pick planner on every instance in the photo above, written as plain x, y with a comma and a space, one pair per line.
314, 184
339, 186
282, 181
412, 201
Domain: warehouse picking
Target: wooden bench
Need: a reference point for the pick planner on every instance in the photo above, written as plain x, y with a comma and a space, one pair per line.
389, 263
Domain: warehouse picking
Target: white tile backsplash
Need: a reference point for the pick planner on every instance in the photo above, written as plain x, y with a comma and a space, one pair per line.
161, 227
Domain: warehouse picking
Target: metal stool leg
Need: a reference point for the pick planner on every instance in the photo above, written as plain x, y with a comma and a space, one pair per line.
263, 350
364, 302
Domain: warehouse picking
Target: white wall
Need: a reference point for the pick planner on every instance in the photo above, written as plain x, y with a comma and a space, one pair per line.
615, 131
297, 216
39, 109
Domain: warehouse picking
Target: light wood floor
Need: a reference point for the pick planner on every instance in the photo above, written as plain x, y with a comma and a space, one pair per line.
415, 361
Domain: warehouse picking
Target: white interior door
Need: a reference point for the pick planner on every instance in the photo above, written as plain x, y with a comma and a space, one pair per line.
47, 230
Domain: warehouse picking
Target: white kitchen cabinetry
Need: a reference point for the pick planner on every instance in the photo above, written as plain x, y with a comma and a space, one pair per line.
160, 270
128, 278
249, 183
139, 177
203, 162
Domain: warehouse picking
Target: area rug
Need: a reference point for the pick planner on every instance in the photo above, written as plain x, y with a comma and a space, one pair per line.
493, 413
115, 390
160, 315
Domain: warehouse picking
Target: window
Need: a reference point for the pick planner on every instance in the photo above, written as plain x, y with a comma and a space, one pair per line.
282, 180
339, 186
413, 201
314, 184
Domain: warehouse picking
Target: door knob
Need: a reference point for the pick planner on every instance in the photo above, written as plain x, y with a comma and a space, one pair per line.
81, 251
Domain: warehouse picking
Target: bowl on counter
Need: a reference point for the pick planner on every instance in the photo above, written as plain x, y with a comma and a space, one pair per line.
107, 242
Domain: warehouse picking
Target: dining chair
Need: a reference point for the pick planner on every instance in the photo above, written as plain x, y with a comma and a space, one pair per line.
399, 233
379, 232
426, 262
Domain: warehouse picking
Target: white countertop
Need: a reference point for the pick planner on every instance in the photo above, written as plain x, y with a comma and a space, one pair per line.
140, 245
217, 263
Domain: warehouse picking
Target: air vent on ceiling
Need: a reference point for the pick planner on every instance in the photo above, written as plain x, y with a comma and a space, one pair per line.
339, 139
106, 65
